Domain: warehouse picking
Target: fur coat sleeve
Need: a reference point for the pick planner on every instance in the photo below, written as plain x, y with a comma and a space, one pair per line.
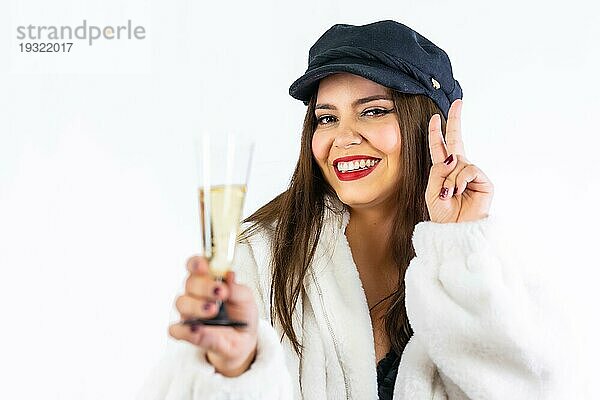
479, 318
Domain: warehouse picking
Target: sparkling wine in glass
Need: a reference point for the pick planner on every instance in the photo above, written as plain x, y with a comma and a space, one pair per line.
223, 164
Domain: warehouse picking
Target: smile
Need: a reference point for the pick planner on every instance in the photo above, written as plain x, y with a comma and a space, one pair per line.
354, 167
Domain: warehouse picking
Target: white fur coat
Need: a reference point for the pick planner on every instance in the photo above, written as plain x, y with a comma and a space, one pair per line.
479, 330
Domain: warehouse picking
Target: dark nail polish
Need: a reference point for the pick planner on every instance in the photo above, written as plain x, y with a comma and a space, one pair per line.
449, 160
206, 306
444, 192
217, 291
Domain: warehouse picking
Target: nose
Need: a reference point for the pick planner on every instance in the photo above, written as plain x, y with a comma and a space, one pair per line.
346, 138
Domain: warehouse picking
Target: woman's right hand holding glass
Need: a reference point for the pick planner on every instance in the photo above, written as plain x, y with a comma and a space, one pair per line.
230, 350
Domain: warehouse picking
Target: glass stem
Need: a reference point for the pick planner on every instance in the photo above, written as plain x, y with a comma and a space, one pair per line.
219, 302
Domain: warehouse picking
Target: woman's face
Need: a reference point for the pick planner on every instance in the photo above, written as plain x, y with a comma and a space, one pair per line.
357, 140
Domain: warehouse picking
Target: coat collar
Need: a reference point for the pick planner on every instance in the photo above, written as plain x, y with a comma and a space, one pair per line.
338, 301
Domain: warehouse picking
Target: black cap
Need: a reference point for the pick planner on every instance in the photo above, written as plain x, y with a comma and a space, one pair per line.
386, 52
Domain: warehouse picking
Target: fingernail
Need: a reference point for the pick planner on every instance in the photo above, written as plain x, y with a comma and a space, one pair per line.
449, 160
216, 291
444, 192
206, 306
193, 328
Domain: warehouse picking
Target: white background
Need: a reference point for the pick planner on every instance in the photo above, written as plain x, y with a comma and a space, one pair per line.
97, 207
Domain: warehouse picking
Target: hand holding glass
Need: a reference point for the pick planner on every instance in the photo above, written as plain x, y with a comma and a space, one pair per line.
223, 164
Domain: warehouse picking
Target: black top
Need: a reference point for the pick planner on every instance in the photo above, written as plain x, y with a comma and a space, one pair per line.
387, 369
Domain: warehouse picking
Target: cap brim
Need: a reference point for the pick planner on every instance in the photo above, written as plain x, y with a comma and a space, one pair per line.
304, 87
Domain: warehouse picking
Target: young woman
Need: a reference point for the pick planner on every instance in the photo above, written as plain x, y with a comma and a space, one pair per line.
376, 273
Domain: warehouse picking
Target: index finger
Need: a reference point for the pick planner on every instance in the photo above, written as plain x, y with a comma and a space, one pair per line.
454, 140
437, 147
197, 265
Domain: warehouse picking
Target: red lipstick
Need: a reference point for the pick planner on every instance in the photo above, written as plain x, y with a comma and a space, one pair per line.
353, 175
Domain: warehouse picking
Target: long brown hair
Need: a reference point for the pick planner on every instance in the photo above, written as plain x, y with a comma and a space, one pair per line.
294, 217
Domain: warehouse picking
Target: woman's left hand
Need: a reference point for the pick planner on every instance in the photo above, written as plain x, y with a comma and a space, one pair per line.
468, 191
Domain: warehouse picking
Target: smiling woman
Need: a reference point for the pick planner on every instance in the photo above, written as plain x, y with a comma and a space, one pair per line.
355, 113
377, 272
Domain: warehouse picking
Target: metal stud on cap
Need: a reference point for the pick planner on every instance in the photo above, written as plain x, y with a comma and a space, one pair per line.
435, 83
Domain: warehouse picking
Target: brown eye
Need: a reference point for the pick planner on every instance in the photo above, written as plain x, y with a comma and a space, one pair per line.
375, 112
325, 119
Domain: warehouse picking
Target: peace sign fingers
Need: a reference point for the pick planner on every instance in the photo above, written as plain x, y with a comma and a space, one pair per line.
456, 190
453, 144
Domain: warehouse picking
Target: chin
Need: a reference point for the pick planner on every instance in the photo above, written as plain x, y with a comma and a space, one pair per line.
356, 200
366, 196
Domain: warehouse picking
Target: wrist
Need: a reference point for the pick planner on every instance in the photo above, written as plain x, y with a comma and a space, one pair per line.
231, 369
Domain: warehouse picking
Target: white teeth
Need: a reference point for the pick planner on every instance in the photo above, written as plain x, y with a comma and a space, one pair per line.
354, 165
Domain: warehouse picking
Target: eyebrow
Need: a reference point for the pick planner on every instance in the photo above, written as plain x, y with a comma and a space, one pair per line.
356, 102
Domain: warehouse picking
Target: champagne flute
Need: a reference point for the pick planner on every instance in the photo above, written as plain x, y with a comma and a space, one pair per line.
223, 165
